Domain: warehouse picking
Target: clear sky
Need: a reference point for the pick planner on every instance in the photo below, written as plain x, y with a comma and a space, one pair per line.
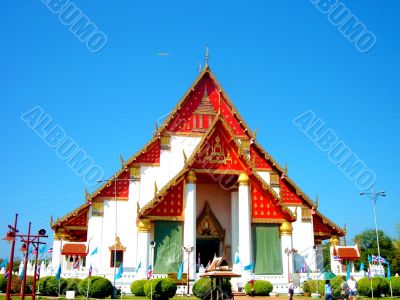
275, 59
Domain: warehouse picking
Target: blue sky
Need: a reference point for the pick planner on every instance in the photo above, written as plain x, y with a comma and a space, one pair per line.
275, 59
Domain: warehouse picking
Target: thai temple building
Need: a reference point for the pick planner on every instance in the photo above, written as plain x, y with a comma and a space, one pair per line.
202, 187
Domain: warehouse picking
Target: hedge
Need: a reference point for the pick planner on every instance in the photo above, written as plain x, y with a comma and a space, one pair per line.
160, 288
3, 284
260, 288
49, 286
201, 288
137, 287
99, 287
72, 285
380, 286
395, 286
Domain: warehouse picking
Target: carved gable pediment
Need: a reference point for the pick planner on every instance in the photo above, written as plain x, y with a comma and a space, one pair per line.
208, 225
118, 246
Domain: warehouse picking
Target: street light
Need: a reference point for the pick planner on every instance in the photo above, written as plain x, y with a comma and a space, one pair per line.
374, 196
188, 250
288, 252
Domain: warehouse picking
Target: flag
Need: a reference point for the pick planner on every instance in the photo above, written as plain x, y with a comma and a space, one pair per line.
34, 252
336, 258
362, 266
4, 263
249, 267
138, 267
348, 271
43, 250
388, 272
38, 273
180, 272
90, 271
76, 264
6, 274
149, 272
58, 274
120, 271
94, 252
237, 258
50, 250
21, 275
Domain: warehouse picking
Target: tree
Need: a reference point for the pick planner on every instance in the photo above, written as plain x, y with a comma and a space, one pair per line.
367, 244
326, 252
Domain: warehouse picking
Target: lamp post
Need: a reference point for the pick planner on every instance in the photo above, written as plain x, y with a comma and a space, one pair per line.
188, 250
10, 237
289, 252
374, 197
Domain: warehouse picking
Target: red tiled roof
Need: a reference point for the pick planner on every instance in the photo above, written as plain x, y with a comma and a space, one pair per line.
349, 253
74, 249
223, 274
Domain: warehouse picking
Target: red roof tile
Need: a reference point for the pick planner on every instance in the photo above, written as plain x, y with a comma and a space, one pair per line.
349, 253
74, 249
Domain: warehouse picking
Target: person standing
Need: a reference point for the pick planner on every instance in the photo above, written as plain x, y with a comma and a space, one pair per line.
328, 290
352, 283
344, 287
291, 290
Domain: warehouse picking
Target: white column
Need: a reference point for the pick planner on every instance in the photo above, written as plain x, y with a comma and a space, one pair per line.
143, 246
235, 223
189, 230
244, 240
286, 249
56, 255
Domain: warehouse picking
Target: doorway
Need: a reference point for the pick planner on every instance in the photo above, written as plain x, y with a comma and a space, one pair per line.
206, 249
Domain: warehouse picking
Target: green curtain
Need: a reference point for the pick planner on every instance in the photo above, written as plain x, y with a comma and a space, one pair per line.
267, 249
168, 250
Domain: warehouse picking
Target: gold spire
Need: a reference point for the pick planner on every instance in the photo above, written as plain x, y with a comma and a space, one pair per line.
316, 202
121, 158
206, 56
285, 170
155, 188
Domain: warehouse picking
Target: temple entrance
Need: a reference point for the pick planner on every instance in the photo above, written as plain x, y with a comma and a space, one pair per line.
210, 237
206, 250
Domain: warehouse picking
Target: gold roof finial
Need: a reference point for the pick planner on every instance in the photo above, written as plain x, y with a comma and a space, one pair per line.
295, 212
206, 56
121, 158
184, 156
255, 133
51, 220
285, 170
316, 202
87, 195
155, 188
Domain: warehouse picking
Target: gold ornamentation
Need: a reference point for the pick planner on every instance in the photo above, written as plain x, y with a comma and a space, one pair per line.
243, 179
98, 209
155, 188
165, 143
134, 173
121, 158
117, 246
144, 225
306, 214
191, 177
274, 179
316, 202
216, 153
208, 225
286, 228
184, 156
334, 240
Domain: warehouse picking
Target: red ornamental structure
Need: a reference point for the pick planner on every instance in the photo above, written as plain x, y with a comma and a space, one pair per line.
27, 240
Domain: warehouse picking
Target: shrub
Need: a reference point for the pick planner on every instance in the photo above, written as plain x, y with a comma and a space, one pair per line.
29, 284
336, 289
395, 285
72, 285
201, 287
3, 284
137, 287
315, 286
160, 288
379, 285
50, 286
260, 288
16, 284
305, 287
99, 287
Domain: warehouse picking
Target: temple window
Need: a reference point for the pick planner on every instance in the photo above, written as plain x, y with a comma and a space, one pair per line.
118, 259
